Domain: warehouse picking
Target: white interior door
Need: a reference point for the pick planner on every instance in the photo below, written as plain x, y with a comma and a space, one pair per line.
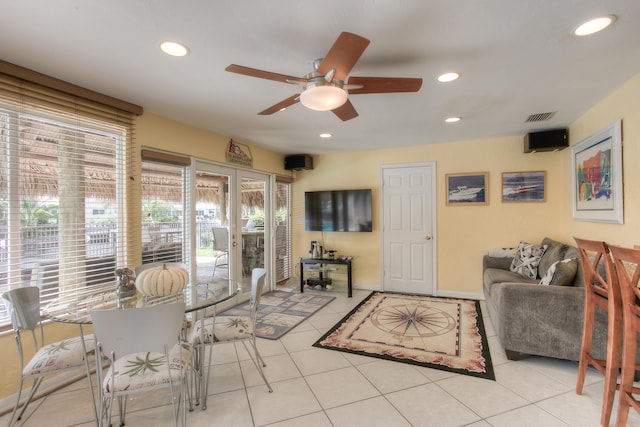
408, 217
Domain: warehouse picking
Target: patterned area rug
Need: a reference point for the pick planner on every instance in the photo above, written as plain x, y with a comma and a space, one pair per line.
279, 311
440, 333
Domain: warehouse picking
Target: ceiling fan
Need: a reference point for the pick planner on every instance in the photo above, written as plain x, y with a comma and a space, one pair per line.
326, 88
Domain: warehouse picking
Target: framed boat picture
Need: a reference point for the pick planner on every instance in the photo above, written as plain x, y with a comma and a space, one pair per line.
466, 189
596, 164
524, 186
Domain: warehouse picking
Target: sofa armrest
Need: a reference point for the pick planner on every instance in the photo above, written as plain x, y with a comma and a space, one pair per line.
502, 263
544, 320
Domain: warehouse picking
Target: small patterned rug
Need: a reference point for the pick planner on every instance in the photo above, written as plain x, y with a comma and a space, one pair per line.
440, 333
279, 311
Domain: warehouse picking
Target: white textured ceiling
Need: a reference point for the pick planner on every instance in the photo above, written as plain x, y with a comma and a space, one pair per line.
516, 57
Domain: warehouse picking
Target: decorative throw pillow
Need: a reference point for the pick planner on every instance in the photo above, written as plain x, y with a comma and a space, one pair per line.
527, 259
561, 273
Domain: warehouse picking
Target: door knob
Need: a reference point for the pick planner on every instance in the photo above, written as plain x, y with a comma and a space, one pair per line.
427, 237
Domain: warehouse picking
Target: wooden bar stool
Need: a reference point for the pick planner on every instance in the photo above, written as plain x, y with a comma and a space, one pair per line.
603, 292
627, 262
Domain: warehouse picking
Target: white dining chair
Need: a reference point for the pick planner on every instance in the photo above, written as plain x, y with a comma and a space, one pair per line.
224, 329
146, 353
23, 306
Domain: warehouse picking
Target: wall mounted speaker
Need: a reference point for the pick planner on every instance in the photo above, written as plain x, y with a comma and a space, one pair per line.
548, 140
298, 162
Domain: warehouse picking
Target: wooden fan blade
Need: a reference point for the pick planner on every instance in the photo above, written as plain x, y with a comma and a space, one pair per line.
384, 84
343, 55
239, 69
346, 111
280, 105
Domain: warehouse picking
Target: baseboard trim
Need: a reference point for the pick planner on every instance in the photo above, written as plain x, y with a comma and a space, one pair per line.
437, 293
461, 295
47, 387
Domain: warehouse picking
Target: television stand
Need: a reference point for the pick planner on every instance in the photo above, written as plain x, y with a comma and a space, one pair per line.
323, 262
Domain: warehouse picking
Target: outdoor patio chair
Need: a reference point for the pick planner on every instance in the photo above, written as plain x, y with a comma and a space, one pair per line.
220, 248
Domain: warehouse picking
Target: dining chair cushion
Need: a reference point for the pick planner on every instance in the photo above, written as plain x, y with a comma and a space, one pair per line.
222, 328
148, 369
60, 355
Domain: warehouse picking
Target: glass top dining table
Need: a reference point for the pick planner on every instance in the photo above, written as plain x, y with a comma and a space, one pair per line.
76, 306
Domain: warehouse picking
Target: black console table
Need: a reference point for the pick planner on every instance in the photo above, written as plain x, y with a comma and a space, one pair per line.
323, 261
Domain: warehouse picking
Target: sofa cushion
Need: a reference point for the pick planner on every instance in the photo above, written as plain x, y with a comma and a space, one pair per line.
527, 259
561, 273
498, 275
556, 251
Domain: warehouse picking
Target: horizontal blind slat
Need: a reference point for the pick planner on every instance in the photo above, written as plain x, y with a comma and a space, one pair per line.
63, 180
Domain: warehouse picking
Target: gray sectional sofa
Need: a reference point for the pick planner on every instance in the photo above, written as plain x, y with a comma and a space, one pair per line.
544, 320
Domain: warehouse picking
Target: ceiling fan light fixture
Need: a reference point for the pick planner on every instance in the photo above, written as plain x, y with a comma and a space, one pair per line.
323, 97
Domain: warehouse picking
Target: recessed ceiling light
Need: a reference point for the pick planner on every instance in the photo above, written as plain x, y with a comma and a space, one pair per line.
448, 77
594, 25
452, 119
174, 48
325, 135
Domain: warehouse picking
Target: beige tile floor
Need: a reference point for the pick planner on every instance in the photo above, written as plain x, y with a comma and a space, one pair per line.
317, 387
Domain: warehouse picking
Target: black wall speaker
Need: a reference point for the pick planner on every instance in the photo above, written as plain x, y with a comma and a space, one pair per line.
548, 140
298, 162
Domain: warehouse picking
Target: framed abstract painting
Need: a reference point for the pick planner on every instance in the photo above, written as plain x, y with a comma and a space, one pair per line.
596, 164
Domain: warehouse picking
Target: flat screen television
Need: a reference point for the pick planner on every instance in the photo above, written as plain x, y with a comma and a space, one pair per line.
338, 210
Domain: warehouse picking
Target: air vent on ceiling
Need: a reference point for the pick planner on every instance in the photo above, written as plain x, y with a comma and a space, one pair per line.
540, 117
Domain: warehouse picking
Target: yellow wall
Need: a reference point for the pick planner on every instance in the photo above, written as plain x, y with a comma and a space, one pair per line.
464, 233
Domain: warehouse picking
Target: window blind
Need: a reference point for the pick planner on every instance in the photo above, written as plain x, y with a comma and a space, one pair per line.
163, 202
283, 230
63, 188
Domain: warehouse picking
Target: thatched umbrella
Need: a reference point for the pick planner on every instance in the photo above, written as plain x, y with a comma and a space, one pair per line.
39, 172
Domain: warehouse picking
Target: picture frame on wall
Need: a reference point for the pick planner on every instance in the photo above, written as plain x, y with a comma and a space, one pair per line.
467, 189
596, 165
524, 186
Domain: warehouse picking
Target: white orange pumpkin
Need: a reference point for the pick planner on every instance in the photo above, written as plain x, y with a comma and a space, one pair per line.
160, 281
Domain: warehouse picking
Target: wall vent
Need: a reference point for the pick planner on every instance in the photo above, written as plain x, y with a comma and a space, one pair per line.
540, 117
